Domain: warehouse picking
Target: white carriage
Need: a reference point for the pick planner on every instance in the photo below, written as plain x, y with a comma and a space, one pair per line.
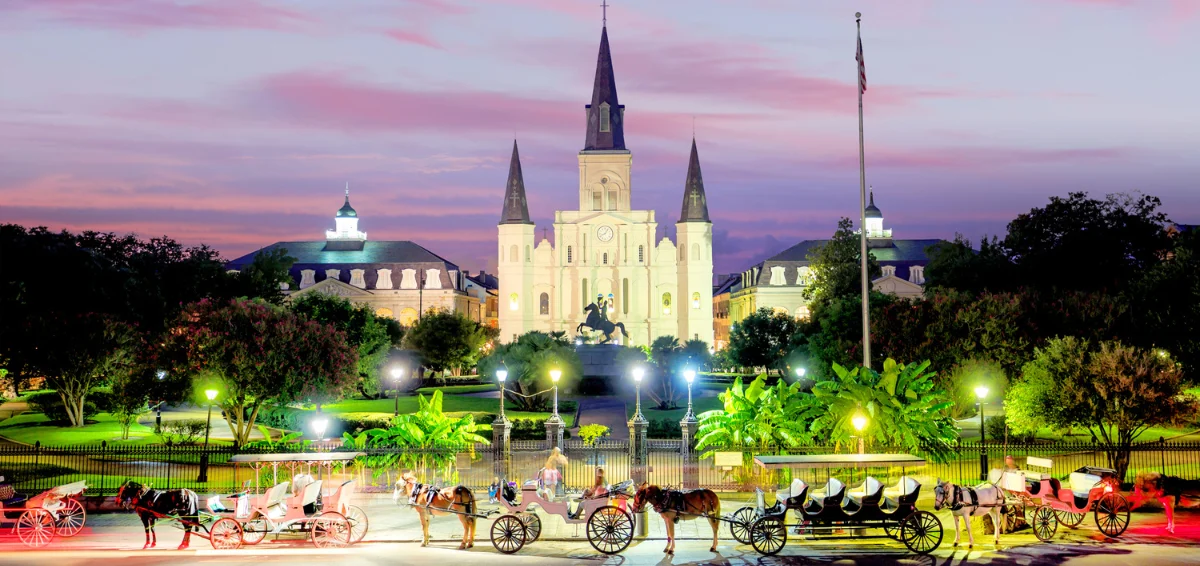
54, 512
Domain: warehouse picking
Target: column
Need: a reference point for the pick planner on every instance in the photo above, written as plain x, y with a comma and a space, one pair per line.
554, 432
501, 447
639, 457
691, 471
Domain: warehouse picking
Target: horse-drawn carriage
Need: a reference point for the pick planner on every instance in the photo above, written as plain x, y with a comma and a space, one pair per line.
38, 519
609, 522
1049, 503
835, 508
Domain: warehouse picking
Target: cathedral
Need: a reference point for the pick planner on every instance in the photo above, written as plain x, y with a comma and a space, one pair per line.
606, 253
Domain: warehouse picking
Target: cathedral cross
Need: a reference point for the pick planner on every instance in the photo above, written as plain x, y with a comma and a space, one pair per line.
514, 199
695, 197
604, 12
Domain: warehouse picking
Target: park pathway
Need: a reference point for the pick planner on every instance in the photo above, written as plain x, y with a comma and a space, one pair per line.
608, 411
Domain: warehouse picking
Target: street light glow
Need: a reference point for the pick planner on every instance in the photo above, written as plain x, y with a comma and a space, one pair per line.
210, 393
859, 421
981, 392
319, 426
689, 375
555, 374
800, 372
161, 375
397, 373
501, 374
638, 372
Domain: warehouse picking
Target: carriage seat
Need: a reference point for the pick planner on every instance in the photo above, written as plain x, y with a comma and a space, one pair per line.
306, 497
340, 499
822, 498
793, 496
271, 503
905, 492
865, 495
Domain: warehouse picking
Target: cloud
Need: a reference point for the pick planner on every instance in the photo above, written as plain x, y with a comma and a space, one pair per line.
413, 37
159, 14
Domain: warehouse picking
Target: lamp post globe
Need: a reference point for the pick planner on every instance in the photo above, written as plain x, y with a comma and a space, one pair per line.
638, 373
555, 374
689, 374
800, 372
859, 421
320, 424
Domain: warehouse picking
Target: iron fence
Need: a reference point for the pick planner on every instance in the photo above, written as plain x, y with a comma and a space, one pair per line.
36, 468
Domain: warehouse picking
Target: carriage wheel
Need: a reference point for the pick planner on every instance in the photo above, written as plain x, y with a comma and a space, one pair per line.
358, 523
533, 526
1044, 522
739, 524
610, 529
35, 527
70, 518
255, 530
768, 535
508, 534
1112, 514
921, 532
330, 530
892, 530
1070, 520
225, 534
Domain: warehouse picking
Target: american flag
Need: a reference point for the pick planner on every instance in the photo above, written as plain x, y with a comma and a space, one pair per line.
862, 69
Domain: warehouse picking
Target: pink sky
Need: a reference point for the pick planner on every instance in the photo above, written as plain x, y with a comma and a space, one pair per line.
237, 122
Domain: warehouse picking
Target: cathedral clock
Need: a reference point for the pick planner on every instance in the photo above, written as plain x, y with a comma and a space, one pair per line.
604, 233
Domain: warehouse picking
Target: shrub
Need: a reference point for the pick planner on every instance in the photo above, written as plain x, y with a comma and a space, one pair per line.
664, 428
994, 426
181, 432
51, 405
284, 418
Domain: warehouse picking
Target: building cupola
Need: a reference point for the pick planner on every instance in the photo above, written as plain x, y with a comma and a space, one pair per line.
346, 223
875, 229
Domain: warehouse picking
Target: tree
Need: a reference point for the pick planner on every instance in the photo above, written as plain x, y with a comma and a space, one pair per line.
904, 406
836, 266
962, 379
1113, 241
762, 339
76, 354
1164, 304
956, 265
258, 355
1114, 390
529, 360
767, 419
447, 340
665, 389
265, 276
372, 337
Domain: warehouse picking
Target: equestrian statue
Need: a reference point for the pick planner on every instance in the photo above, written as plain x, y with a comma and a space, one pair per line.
597, 319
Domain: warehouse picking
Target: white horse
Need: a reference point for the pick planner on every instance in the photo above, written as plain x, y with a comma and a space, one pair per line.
967, 502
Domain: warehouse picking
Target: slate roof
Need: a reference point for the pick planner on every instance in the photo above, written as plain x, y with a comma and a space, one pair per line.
374, 255
604, 90
902, 255
725, 283
516, 209
695, 204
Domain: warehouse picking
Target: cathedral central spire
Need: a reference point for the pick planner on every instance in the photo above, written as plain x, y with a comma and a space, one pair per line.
605, 115
516, 210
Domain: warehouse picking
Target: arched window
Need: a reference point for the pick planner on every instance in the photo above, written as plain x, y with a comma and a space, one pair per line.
802, 312
512, 254
586, 299
569, 254
528, 256
544, 304
695, 252
666, 303
408, 316
605, 260
512, 302
625, 296
696, 300
383, 312
641, 254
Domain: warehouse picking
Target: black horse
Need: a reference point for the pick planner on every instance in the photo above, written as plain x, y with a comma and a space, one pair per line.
154, 504
597, 322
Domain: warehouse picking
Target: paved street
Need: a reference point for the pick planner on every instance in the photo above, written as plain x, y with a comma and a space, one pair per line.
393, 536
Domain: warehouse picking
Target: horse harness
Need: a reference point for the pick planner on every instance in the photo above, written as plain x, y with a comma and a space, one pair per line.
674, 500
428, 492
957, 501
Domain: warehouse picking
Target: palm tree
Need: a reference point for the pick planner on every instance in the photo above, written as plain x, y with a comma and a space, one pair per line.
427, 438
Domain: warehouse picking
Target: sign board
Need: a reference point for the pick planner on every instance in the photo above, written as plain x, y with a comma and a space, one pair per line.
727, 459
462, 461
1039, 462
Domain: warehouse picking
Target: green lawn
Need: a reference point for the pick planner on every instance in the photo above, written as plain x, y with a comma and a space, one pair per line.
34, 427
454, 404
699, 405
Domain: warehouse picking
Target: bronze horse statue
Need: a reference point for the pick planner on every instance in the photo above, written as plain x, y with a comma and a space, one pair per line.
597, 322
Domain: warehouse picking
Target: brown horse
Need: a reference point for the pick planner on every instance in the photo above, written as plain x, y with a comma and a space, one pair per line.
674, 505
1167, 490
429, 502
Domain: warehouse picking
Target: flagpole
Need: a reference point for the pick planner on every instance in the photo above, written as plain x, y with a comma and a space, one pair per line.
862, 204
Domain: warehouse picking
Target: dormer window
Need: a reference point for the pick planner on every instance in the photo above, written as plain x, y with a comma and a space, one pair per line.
605, 117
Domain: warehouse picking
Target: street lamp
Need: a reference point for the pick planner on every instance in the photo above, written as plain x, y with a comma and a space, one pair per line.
859, 421
501, 375
800, 372
690, 375
319, 425
981, 392
554, 375
638, 373
211, 394
397, 373
162, 375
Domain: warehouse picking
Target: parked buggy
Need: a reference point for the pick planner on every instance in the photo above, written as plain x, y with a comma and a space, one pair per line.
609, 522
37, 520
1048, 503
834, 508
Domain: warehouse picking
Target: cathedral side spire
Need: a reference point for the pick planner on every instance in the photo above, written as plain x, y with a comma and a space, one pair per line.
605, 115
516, 210
695, 205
